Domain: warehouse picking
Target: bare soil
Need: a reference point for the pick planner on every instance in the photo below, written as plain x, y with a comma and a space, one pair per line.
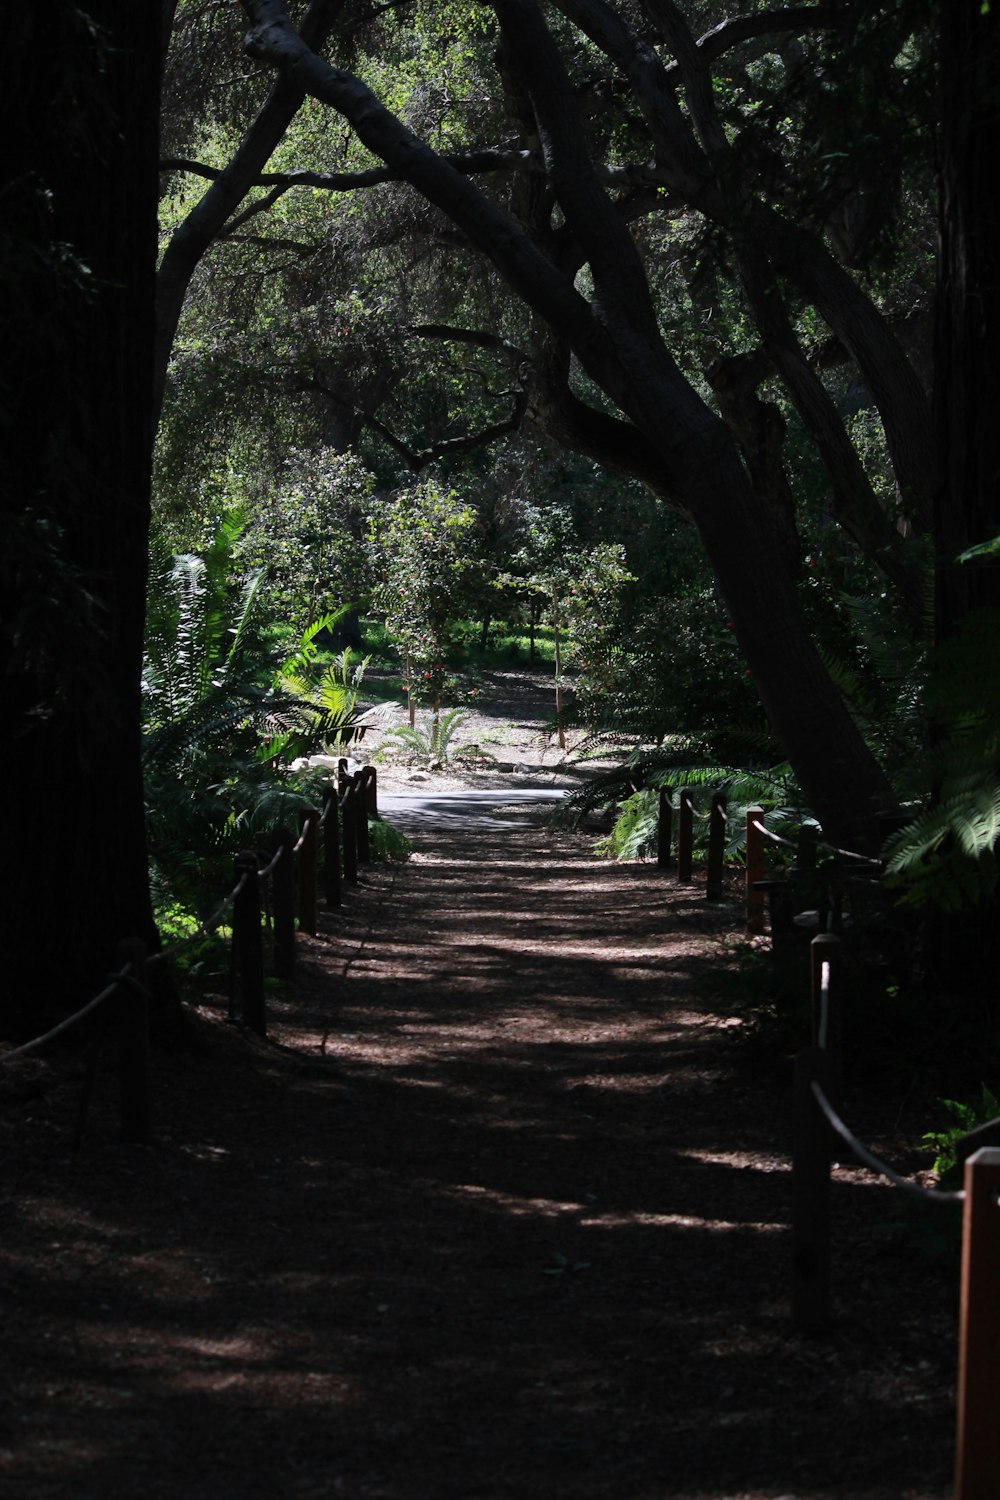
498, 1210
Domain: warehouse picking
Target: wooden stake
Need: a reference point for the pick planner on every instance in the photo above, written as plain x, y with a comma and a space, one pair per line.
309, 871
664, 828
811, 1197
716, 846
685, 836
755, 870
283, 906
977, 1453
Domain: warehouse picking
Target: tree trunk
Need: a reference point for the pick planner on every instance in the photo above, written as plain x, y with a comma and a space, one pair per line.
83, 92
967, 359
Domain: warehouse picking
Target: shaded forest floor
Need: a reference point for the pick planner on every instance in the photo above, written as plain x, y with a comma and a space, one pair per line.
500, 1210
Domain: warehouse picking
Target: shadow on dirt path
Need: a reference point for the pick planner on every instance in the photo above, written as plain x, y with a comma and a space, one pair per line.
497, 1211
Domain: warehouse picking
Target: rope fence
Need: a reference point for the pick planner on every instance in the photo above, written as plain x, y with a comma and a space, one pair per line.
817, 1123
259, 890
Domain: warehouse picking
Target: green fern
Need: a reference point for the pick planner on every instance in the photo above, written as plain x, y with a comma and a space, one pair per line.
432, 741
947, 854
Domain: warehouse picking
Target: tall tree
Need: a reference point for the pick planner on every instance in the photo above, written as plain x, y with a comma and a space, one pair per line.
569, 252
78, 247
967, 358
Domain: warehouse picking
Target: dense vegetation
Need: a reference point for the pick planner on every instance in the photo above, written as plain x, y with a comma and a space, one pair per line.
627, 320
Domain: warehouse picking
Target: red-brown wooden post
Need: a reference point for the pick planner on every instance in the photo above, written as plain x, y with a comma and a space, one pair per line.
977, 1450
810, 1197
248, 946
283, 905
685, 835
348, 808
331, 846
716, 846
372, 776
664, 827
309, 870
755, 870
132, 1004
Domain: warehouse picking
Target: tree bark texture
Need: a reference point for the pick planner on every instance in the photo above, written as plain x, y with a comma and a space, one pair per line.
80, 248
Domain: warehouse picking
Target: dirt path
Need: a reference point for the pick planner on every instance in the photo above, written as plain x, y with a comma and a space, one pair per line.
499, 1210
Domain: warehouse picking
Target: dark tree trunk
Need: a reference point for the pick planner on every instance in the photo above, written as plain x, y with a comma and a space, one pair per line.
80, 251
967, 353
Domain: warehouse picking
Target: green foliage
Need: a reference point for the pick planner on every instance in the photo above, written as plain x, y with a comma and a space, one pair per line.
310, 534
966, 1117
220, 717
386, 843
947, 855
421, 548
677, 671
634, 833
432, 741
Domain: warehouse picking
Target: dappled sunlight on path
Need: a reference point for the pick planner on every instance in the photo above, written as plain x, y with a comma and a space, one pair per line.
498, 1211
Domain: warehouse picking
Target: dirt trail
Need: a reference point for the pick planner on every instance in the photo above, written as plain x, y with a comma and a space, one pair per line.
499, 1210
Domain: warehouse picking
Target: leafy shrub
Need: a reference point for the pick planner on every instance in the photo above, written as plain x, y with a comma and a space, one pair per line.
966, 1117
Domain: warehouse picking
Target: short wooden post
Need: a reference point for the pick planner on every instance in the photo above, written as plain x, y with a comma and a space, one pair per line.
343, 775
755, 870
331, 846
361, 817
132, 1004
827, 1006
664, 828
716, 846
372, 774
309, 871
810, 1197
283, 905
685, 835
248, 945
977, 1449
348, 809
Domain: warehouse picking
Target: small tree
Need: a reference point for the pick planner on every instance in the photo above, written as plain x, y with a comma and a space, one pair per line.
421, 550
311, 534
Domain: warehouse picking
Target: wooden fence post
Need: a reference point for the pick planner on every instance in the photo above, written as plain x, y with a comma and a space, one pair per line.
309, 871
132, 1005
827, 1006
331, 846
361, 817
716, 846
283, 906
372, 775
349, 809
248, 946
977, 1451
811, 1197
664, 828
343, 775
685, 835
755, 870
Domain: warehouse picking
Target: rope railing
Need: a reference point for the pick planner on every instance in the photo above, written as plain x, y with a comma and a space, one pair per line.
69, 1022
817, 1123
874, 1163
246, 964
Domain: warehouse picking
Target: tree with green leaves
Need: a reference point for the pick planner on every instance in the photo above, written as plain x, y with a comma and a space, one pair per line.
603, 156
422, 552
